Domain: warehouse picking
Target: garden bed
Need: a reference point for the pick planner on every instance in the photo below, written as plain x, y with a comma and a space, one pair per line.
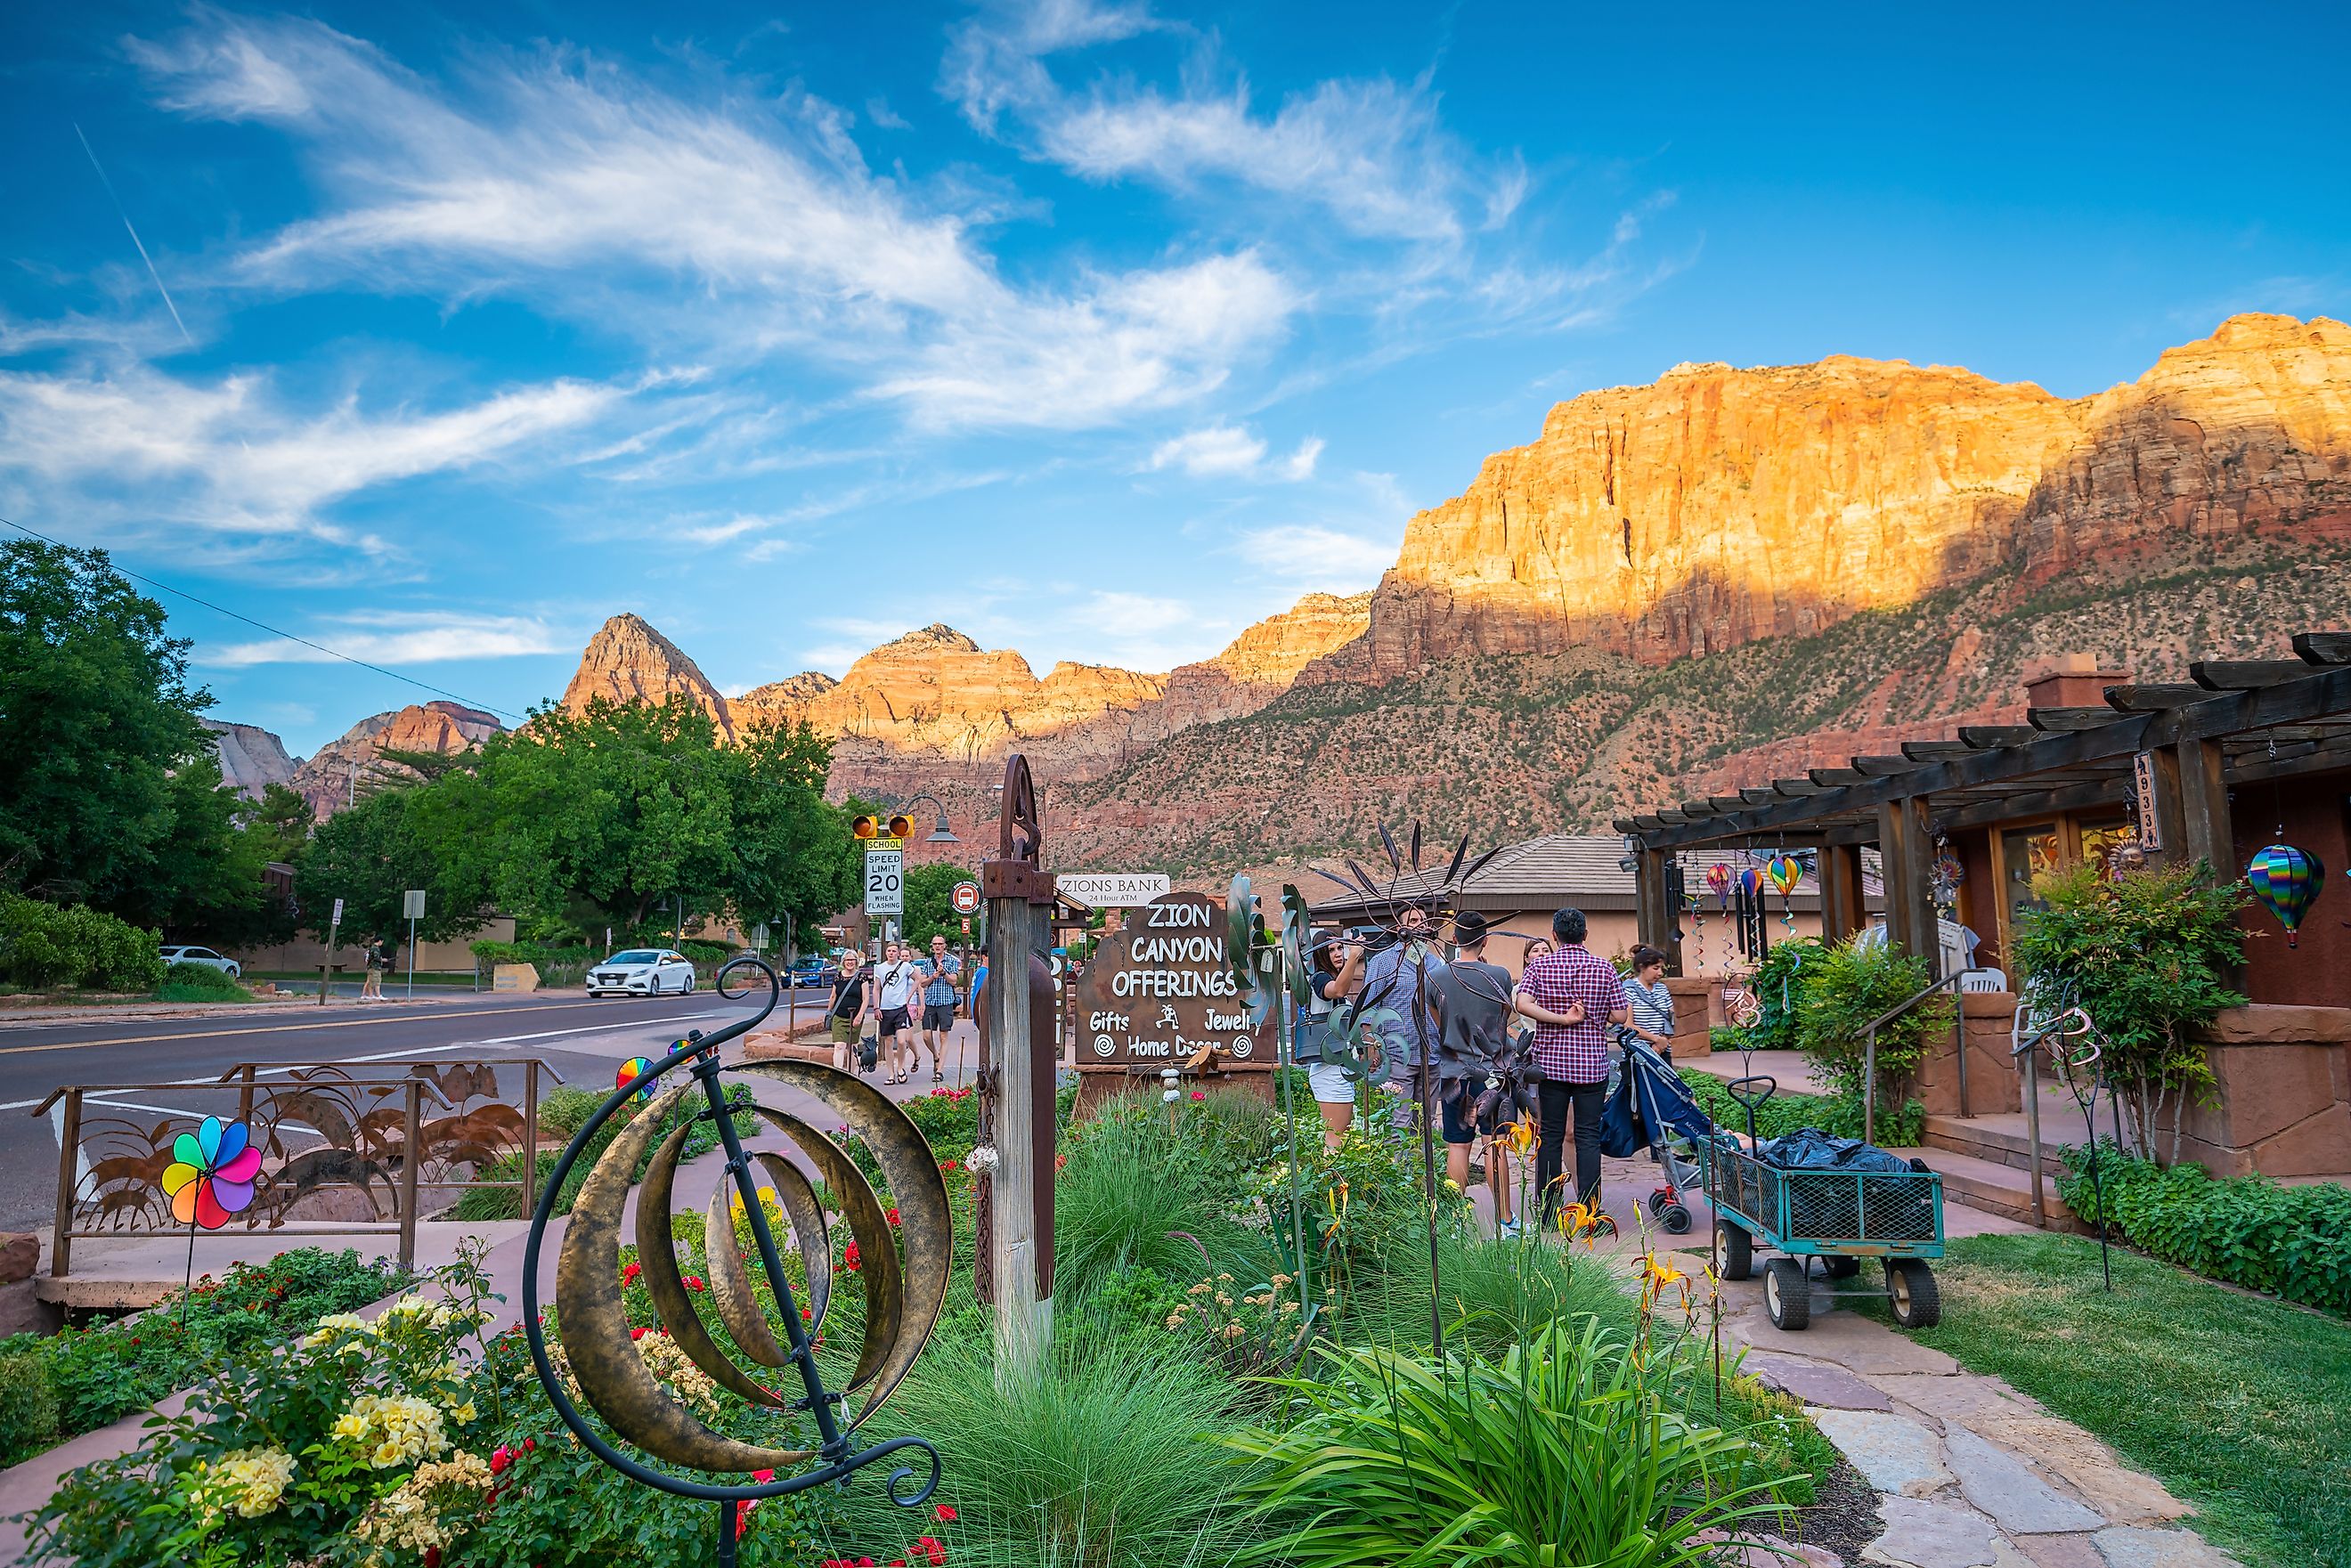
1183, 1424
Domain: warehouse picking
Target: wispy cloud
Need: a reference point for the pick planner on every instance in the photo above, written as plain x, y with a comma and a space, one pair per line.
230, 454
391, 637
550, 166
1232, 451
1317, 557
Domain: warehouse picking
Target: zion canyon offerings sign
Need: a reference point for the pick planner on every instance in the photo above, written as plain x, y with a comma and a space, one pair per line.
1158, 994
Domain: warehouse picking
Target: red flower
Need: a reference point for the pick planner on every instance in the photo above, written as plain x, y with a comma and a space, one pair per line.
1060, 1160
1197, 1094
949, 1165
628, 1275
806, 1316
944, 1513
891, 1216
933, 1548
694, 1282
500, 1460
848, 1258
637, 1333
528, 1444
763, 1477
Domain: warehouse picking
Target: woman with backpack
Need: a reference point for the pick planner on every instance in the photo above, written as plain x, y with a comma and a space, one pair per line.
853, 1001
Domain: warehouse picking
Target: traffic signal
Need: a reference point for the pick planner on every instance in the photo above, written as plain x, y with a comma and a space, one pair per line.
898, 827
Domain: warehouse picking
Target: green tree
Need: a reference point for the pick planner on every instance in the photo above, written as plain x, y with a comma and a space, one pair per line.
97, 723
2148, 957
280, 823
929, 912
370, 853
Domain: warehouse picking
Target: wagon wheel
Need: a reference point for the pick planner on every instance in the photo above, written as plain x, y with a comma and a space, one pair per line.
1911, 1289
1787, 1294
1734, 1252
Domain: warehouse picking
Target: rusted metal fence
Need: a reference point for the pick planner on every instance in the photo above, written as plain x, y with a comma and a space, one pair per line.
323, 1130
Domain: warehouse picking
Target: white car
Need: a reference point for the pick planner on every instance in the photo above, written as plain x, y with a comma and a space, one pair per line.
641, 972
205, 957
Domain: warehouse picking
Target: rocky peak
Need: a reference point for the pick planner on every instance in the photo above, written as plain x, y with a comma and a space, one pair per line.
251, 757
628, 661
344, 767
1272, 652
936, 638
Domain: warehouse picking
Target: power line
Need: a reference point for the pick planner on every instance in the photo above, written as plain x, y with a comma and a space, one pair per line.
264, 626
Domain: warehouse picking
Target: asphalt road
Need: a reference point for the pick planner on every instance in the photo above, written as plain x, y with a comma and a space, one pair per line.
167, 1060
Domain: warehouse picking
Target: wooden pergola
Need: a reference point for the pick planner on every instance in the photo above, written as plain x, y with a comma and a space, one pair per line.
2174, 750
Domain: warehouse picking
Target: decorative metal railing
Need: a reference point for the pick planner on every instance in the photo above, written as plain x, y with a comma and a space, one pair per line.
335, 1144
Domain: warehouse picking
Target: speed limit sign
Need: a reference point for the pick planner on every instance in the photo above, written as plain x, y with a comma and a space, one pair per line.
966, 898
885, 888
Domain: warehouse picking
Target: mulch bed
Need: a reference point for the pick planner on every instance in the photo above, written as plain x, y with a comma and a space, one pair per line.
1845, 1518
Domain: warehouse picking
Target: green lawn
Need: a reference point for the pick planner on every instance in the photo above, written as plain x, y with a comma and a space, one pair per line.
2235, 1402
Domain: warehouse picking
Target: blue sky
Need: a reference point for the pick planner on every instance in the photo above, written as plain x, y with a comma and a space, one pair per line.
1095, 329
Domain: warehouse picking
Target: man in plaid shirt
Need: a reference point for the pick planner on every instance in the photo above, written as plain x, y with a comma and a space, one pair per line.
1573, 995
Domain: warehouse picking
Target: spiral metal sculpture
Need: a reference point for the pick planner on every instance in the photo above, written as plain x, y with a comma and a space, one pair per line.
905, 1269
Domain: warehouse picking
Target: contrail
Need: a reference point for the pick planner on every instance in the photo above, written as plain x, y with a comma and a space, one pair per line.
125, 217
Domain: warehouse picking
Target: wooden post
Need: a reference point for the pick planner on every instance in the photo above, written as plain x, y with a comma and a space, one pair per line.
1020, 911
1652, 902
2161, 808
1905, 847
1842, 907
2206, 832
530, 1138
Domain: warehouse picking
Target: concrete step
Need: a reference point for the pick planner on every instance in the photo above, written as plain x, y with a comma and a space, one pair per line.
1993, 1188
2000, 1139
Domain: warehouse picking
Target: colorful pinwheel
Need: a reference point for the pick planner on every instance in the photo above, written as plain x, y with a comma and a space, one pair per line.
2286, 879
211, 1174
633, 1070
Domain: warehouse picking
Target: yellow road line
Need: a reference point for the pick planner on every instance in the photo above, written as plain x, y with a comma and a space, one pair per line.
288, 1027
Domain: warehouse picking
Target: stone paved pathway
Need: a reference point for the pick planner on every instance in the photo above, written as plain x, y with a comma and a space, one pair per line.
1975, 1474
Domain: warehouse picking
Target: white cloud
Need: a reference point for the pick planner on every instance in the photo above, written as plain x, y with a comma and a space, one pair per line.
1127, 617
1232, 451
601, 191
228, 455
1315, 556
391, 637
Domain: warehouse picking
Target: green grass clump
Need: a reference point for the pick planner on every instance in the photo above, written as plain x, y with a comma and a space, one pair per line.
2233, 1402
1129, 1199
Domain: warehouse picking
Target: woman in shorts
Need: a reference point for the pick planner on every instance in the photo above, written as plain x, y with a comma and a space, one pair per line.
1338, 974
852, 998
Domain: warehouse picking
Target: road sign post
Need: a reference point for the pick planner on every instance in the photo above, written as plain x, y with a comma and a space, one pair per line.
411, 909
327, 970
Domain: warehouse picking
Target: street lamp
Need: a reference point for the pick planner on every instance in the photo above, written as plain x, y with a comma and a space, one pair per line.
942, 835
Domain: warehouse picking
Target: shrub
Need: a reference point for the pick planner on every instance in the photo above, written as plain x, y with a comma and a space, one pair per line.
81, 1379
199, 983
2289, 1241
2148, 958
1848, 986
1786, 1112
1099, 1463
1568, 1448
43, 945
1779, 984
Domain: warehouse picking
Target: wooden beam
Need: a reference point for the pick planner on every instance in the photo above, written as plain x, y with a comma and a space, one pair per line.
2246, 675
1905, 847
1884, 767
2025, 808
1648, 824
2325, 693
2323, 647
1986, 735
1842, 913
1796, 787
1830, 778
1672, 818
1726, 803
2153, 700
1758, 797
2207, 832
2060, 720
1937, 750
2161, 820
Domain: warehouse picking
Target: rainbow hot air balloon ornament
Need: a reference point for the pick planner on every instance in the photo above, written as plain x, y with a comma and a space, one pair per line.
210, 1178
1785, 871
2286, 880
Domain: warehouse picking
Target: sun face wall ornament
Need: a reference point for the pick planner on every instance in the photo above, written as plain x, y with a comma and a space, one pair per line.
903, 1268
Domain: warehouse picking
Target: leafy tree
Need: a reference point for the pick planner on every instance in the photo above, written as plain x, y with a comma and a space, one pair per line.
1845, 987
929, 912
97, 721
280, 823
2147, 958
370, 853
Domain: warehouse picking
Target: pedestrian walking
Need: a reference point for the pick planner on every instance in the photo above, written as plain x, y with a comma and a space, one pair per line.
941, 973
1573, 995
1652, 1006
896, 983
372, 982
1338, 974
852, 1004
1478, 1001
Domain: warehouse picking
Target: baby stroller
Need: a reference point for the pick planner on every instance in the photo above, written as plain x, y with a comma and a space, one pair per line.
1648, 1101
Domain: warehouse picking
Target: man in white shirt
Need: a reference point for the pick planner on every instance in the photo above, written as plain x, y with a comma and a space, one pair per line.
894, 986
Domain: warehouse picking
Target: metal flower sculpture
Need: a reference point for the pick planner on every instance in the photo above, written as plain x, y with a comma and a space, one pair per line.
1482, 1068
903, 1268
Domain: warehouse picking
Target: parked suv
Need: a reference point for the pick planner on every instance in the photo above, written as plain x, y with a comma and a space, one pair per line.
205, 957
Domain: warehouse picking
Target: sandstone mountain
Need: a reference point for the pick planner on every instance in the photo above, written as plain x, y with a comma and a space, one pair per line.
354, 764
628, 662
251, 757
